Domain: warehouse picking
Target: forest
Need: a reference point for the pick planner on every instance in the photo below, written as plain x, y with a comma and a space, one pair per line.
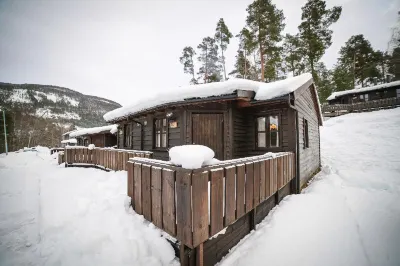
265, 54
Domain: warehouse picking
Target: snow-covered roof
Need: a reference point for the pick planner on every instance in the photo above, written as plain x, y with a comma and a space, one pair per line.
366, 89
94, 130
263, 91
66, 133
69, 141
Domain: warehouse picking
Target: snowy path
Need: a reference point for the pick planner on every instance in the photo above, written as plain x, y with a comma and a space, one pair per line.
350, 214
50, 215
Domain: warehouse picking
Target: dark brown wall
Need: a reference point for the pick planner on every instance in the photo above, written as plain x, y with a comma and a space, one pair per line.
309, 157
372, 95
103, 140
244, 130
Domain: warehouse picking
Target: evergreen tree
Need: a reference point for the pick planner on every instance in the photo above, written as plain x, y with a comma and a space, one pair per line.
324, 82
210, 69
266, 24
315, 34
358, 56
247, 44
222, 37
293, 55
188, 64
274, 69
241, 65
394, 64
342, 78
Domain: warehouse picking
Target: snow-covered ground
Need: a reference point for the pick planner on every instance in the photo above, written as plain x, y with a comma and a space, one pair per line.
349, 215
51, 215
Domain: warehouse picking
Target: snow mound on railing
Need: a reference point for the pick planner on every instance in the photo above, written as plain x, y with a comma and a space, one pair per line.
190, 156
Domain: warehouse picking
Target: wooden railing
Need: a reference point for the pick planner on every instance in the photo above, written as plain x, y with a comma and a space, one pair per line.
107, 158
362, 106
194, 205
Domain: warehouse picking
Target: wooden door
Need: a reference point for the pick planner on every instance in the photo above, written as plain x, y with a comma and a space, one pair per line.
208, 130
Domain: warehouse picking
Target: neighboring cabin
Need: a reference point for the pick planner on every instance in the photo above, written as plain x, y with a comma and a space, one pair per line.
382, 91
236, 118
99, 136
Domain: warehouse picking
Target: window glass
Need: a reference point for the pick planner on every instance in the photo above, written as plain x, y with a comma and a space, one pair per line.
274, 131
261, 123
160, 131
268, 132
261, 140
366, 97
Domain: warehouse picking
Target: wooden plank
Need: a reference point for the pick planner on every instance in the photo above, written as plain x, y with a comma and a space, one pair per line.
249, 186
267, 178
217, 201
273, 170
183, 206
240, 193
230, 190
146, 191
130, 180
156, 197
280, 172
137, 190
200, 255
168, 201
257, 178
125, 160
200, 207
262, 180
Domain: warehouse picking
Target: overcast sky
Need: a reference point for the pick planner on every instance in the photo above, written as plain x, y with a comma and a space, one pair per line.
121, 49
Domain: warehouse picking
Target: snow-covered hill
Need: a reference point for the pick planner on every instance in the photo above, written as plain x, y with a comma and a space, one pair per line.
56, 103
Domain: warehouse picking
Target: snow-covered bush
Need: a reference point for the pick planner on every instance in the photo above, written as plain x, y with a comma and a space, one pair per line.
91, 146
190, 156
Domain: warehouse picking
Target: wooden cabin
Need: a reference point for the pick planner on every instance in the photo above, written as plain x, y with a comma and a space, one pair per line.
235, 118
99, 136
378, 92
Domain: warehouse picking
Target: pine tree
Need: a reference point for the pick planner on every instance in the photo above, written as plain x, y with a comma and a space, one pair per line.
292, 52
222, 37
358, 56
241, 64
324, 82
315, 34
247, 45
188, 64
266, 24
394, 64
210, 69
342, 78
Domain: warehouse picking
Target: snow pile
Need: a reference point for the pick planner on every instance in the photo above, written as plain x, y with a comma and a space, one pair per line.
366, 89
264, 91
190, 156
69, 141
350, 213
91, 146
52, 215
94, 130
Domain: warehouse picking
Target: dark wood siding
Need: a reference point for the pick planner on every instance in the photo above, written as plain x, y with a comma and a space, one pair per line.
372, 95
309, 157
97, 140
137, 136
244, 130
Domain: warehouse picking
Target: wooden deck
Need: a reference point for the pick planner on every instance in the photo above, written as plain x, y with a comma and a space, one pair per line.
340, 109
110, 159
195, 205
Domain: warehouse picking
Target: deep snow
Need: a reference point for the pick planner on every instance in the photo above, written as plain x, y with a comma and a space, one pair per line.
350, 214
51, 215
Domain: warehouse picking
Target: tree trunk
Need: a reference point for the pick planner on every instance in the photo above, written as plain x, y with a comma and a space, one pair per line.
255, 65
191, 59
205, 67
245, 65
223, 63
262, 63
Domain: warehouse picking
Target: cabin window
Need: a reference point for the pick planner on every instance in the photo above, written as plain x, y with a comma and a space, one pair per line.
398, 93
268, 132
362, 97
305, 134
160, 130
366, 97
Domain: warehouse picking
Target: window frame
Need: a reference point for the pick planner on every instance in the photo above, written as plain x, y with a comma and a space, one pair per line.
127, 132
306, 135
267, 132
162, 132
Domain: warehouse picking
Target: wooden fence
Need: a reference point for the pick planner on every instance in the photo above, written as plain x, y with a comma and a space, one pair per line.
336, 109
194, 205
113, 159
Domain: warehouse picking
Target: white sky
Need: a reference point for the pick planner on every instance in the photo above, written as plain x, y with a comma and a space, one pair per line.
119, 49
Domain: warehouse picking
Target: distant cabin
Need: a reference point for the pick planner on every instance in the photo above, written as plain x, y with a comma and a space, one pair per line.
104, 136
236, 118
378, 92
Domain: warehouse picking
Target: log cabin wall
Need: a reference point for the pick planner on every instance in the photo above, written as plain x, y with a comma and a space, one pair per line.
309, 154
97, 140
361, 97
245, 135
